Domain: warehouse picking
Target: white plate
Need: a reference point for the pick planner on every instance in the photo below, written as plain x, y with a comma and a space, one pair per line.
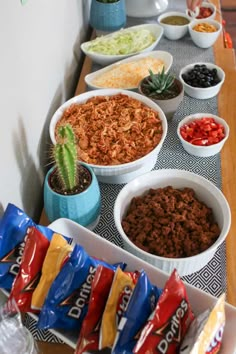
99, 247
157, 54
103, 59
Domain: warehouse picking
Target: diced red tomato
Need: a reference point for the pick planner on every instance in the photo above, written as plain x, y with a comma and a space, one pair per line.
204, 12
203, 132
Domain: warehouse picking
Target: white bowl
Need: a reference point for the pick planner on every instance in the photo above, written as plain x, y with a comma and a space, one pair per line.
174, 32
122, 173
103, 59
202, 151
204, 39
200, 92
205, 191
194, 15
158, 54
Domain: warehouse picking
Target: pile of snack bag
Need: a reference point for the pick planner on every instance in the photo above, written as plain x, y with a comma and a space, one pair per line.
105, 305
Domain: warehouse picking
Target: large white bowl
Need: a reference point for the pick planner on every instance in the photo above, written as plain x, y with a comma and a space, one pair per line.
103, 59
199, 92
205, 191
117, 174
202, 151
157, 54
204, 39
173, 32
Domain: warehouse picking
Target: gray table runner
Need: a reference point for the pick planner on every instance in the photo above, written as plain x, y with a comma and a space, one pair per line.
211, 278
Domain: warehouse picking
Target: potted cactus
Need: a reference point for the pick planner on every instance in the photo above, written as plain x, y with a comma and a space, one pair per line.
164, 89
71, 189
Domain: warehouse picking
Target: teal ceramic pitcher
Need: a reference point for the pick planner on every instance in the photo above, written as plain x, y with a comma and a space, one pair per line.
107, 17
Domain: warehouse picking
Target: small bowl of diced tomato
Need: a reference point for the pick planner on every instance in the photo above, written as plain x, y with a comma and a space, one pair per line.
203, 134
206, 10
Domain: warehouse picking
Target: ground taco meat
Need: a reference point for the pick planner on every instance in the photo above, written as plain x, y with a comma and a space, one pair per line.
170, 222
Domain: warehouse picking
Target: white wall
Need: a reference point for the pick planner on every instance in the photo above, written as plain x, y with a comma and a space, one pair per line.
39, 65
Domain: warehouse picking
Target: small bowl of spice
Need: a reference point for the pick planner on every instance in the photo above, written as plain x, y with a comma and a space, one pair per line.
175, 24
204, 33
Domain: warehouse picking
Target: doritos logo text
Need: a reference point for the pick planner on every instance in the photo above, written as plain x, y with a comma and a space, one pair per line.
15, 257
171, 331
83, 295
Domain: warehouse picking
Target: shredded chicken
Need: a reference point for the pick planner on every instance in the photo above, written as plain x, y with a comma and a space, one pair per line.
113, 130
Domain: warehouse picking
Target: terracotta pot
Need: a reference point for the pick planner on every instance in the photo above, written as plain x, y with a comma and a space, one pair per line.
83, 208
169, 105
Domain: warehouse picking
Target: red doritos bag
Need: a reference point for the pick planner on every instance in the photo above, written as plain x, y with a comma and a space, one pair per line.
36, 246
89, 334
169, 322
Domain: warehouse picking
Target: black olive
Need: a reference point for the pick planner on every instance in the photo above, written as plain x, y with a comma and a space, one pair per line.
214, 72
184, 77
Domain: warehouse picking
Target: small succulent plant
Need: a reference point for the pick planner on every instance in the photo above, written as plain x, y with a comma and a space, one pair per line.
159, 83
64, 153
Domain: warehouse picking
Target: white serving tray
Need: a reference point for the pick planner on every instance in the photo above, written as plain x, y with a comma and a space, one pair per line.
97, 246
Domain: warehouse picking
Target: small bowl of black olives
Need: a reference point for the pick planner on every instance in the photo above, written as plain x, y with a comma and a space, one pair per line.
202, 80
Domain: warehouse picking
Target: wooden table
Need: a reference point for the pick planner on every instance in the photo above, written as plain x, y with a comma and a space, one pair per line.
225, 58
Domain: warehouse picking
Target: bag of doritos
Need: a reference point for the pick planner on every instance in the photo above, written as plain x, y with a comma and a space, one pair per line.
120, 293
89, 335
141, 304
205, 332
57, 253
13, 230
26, 280
169, 322
67, 301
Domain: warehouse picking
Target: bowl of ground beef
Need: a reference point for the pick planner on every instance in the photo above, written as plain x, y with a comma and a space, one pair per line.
172, 219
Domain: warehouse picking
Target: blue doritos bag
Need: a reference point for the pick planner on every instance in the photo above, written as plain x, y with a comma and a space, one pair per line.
67, 301
13, 230
141, 304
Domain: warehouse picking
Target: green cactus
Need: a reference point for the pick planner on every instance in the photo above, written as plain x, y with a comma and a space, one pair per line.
159, 83
65, 157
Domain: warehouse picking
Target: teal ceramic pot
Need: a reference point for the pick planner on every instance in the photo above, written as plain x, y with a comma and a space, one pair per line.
107, 17
83, 208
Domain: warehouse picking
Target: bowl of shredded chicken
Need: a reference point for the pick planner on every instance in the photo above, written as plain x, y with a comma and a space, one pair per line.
119, 132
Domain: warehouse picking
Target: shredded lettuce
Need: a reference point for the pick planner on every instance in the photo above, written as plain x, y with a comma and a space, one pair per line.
122, 42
